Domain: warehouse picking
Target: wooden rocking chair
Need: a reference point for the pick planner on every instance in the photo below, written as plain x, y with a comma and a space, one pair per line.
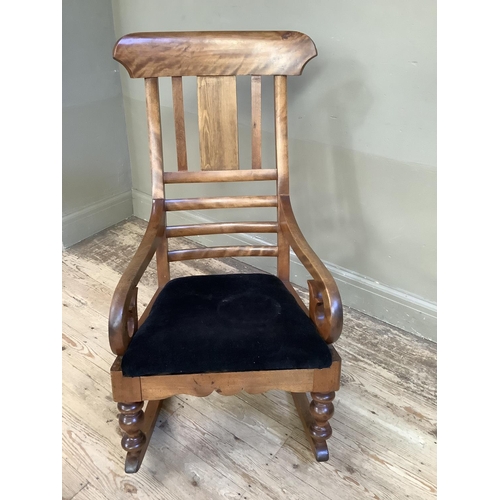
224, 333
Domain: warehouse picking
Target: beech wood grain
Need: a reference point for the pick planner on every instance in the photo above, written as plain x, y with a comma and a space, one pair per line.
218, 122
256, 91
155, 137
388, 461
215, 58
327, 305
268, 174
229, 383
282, 184
133, 461
125, 290
180, 127
221, 228
162, 264
221, 202
223, 251
207, 53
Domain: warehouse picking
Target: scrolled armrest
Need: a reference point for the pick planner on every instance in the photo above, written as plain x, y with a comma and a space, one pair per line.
325, 305
123, 310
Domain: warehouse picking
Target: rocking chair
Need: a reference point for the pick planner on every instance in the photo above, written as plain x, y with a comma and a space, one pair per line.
224, 333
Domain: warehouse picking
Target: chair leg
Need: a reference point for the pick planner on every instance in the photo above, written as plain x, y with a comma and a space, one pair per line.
138, 427
321, 410
315, 418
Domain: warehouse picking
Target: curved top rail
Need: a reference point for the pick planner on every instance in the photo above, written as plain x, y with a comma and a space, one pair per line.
214, 53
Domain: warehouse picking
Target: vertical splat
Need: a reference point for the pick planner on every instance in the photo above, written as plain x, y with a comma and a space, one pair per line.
218, 122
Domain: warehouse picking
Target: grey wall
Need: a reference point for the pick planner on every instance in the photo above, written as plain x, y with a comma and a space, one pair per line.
96, 178
362, 125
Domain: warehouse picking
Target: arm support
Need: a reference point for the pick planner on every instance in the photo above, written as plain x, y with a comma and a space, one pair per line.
123, 311
325, 306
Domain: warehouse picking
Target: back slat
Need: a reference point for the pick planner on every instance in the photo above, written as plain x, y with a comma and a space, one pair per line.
220, 176
221, 228
180, 128
256, 89
155, 141
218, 122
219, 252
221, 202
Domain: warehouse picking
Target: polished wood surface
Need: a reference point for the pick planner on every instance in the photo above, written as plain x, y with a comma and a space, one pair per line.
131, 389
147, 309
220, 252
147, 425
125, 291
384, 427
227, 54
180, 127
124, 388
162, 264
326, 308
322, 410
256, 92
230, 383
221, 176
218, 122
207, 53
283, 183
221, 202
296, 296
303, 407
155, 138
131, 418
222, 228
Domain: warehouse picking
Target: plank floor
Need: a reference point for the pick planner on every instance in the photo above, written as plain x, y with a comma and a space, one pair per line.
246, 446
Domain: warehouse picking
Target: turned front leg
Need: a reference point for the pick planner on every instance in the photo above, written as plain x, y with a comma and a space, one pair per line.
131, 419
321, 409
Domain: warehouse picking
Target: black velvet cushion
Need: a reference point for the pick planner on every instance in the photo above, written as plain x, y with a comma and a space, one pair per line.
225, 323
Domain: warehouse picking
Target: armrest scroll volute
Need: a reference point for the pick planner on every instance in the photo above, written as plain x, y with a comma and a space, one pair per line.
123, 311
325, 305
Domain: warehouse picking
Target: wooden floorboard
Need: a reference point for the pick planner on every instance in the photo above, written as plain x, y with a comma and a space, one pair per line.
245, 446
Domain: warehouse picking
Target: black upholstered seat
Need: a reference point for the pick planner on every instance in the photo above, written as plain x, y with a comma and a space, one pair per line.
225, 323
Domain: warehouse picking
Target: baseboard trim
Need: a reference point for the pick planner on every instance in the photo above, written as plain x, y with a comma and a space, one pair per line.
96, 217
398, 308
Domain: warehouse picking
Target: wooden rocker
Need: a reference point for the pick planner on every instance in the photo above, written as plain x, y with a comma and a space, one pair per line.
224, 333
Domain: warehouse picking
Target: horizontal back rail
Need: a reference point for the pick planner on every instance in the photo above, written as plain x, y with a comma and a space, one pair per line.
221, 202
220, 252
211, 53
221, 228
269, 174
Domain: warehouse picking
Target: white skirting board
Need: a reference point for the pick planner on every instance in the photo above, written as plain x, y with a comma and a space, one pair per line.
396, 307
96, 217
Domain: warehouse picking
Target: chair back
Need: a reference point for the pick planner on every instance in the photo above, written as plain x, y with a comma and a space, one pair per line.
215, 59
